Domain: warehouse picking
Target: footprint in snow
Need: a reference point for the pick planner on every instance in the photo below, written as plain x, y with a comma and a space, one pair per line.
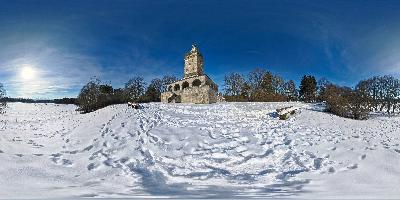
353, 166
317, 163
362, 157
331, 170
66, 162
92, 166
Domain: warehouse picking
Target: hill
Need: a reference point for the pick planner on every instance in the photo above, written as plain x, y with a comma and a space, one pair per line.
182, 150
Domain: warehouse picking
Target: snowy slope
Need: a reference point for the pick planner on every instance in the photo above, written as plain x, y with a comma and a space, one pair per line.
182, 150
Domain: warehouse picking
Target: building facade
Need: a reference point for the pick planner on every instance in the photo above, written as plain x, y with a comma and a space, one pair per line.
195, 87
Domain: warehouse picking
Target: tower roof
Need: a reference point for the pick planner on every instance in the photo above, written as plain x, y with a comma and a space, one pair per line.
193, 51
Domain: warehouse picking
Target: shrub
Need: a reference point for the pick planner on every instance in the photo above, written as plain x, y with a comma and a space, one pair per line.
94, 96
232, 98
345, 102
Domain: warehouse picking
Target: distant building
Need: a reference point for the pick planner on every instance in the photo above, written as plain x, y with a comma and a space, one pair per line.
195, 87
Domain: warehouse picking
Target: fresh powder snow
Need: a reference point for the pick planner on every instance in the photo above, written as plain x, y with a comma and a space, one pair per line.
223, 150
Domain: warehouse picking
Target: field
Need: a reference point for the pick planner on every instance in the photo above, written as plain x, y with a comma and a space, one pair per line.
220, 150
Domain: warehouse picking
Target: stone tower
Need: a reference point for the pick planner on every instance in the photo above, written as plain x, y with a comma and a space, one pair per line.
193, 63
195, 87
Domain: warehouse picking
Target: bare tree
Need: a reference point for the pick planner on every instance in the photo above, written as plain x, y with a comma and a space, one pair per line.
234, 84
255, 78
135, 88
89, 97
382, 92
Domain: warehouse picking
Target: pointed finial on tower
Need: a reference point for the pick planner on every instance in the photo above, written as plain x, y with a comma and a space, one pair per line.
194, 47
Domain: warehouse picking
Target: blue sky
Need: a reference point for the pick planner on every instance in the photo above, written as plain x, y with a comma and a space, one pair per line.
50, 49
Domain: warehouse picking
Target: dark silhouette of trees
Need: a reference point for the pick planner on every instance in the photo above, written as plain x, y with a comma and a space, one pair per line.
3, 102
153, 91
95, 94
65, 101
152, 94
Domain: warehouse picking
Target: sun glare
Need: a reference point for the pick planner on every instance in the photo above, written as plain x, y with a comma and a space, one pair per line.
27, 72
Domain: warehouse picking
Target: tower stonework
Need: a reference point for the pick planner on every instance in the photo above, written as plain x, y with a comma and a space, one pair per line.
194, 63
195, 87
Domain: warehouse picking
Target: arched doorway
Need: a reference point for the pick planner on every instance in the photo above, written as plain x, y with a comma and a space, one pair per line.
177, 87
185, 85
196, 83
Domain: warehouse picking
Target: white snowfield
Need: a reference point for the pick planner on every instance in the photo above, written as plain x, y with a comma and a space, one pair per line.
224, 150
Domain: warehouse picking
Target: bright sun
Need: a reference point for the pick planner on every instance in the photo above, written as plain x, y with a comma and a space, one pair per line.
27, 72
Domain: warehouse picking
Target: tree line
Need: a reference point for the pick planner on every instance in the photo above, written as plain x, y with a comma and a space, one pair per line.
263, 86
379, 93
27, 100
3, 102
96, 94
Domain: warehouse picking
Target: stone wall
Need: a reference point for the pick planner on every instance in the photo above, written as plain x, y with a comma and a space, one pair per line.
201, 95
191, 82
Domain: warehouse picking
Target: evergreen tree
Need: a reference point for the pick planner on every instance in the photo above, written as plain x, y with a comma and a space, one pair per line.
308, 88
152, 94
267, 83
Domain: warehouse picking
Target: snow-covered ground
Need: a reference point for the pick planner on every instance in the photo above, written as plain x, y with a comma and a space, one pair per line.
180, 150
